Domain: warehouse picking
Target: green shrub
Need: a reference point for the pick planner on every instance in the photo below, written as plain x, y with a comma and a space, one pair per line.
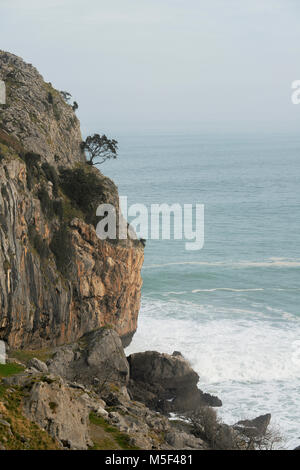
4, 192
32, 161
70, 211
62, 248
35, 171
3, 224
50, 98
84, 189
53, 406
56, 112
58, 208
51, 175
46, 203
38, 243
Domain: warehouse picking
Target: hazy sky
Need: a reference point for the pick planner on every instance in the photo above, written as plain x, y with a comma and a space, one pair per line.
168, 65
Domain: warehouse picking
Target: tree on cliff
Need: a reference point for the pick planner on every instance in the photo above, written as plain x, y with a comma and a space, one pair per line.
66, 96
99, 149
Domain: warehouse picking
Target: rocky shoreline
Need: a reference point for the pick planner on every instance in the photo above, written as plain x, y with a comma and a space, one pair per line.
89, 395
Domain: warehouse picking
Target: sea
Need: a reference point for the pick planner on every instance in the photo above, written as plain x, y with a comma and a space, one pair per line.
233, 307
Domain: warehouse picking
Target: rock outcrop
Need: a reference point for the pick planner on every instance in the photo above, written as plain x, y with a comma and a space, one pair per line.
166, 383
61, 412
79, 399
254, 427
76, 416
36, 115
68, 413
38, 365
96, 359
57, 279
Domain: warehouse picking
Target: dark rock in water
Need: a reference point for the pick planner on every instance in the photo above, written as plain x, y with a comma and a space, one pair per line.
167, 370
254, 427
97, 355
297, 448
177, 353
211, 400
166, 383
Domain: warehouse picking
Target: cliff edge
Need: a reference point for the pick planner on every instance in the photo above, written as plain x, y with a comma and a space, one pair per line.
57, 279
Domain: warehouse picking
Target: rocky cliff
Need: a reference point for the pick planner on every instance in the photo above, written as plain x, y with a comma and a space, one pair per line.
57, 279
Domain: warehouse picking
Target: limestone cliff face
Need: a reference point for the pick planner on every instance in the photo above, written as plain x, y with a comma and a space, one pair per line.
57, 279
37, 115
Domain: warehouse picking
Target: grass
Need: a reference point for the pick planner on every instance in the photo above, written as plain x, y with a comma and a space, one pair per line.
110, 438
24, 355
22, 433
6, 370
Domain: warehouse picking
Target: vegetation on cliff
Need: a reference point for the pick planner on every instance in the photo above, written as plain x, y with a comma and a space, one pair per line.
16, 431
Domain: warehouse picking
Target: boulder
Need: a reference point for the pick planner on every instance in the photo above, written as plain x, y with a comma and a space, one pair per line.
154, 367
61, 412
166, 383
38, 365
181, 440
22, 380
253, 427
96, 359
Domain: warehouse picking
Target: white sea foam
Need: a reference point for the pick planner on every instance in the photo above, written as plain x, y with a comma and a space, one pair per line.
228, 289
224, 345
243, 356
268, 263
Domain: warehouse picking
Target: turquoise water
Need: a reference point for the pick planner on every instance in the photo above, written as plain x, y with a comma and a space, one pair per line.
233, 307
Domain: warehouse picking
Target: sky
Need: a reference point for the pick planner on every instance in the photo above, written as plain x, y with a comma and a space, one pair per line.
165, 65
